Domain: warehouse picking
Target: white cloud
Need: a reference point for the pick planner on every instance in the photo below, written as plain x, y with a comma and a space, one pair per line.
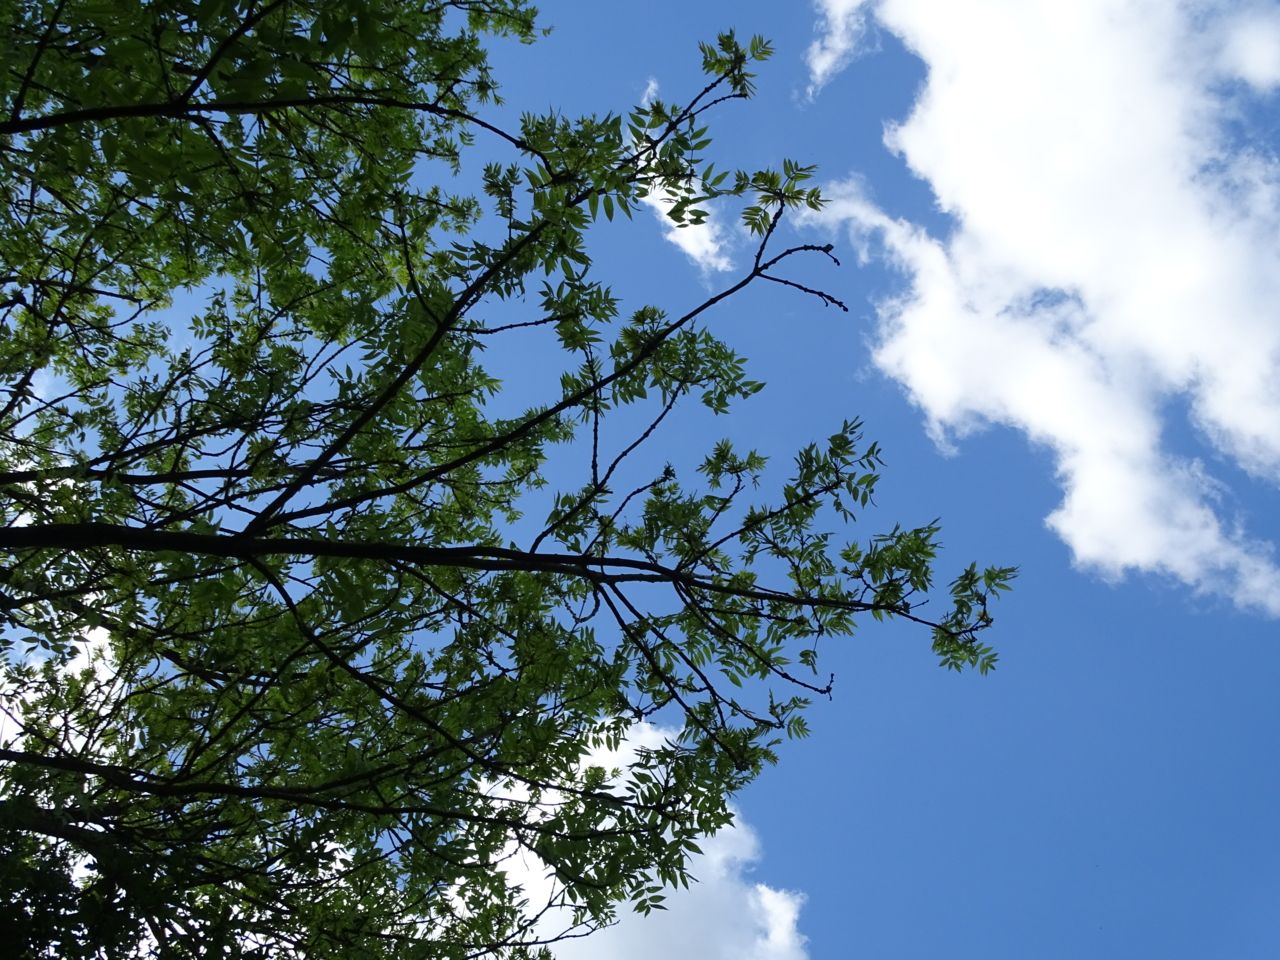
1114, 250
841, 25
705, 244
1251, 47
725, 915
92, 655
11, 729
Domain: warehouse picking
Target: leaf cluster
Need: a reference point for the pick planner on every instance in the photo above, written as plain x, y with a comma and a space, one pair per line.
312, 632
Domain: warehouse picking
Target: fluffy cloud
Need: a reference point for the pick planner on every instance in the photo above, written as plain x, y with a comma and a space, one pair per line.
1251, 46
840, 26
93, 654
705, 244
725, 915
1115, 254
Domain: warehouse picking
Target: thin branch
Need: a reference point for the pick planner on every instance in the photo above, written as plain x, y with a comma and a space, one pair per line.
245, 25
42, 44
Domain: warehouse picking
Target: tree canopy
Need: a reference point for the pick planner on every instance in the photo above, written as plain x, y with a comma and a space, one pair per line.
289, 667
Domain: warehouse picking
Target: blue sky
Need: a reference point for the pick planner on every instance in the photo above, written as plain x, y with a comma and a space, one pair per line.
1058, 224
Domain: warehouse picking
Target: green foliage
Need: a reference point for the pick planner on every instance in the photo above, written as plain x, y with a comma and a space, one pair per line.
279, 678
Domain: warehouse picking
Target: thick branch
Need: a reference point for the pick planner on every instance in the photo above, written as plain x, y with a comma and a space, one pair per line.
599, 570
180, 109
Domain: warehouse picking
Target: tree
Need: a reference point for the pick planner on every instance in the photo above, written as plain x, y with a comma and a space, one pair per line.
281, 677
